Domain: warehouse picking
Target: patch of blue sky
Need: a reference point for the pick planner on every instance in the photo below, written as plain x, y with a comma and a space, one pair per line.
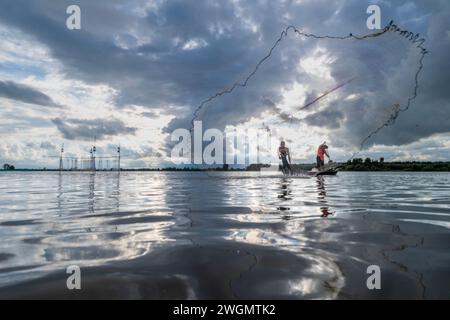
14, 70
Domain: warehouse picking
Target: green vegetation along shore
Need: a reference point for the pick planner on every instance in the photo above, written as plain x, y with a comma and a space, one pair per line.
380, 165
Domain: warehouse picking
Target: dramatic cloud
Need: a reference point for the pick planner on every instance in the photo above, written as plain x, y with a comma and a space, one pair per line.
23, 93
325, 119
149, 114
172, 54
73, 129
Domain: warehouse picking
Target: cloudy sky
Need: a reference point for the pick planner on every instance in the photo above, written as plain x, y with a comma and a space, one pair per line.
138, 69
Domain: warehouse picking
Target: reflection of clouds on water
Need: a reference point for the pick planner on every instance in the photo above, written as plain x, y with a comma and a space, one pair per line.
323, 276
226, 220
260, 237
80, 223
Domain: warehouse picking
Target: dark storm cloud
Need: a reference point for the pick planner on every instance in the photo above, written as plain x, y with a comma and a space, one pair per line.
325, 119
78, 129
143, 57
26, 94
149, 114
161, 72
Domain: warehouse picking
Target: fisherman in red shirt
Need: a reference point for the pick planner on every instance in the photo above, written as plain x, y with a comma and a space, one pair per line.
321, 153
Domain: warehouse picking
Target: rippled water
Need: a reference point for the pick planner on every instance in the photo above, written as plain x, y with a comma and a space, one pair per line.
224, 235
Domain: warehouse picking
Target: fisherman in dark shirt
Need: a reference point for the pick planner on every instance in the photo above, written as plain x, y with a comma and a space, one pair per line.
285, 156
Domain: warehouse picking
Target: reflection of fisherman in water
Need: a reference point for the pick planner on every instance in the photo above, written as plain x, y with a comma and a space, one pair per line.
285, 156
285, 194
322, 192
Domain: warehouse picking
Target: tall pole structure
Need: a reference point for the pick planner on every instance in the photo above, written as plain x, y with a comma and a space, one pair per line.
118, 158
92, 160
61, 158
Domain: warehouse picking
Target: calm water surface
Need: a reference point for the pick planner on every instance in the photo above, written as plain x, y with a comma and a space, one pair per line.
224, 235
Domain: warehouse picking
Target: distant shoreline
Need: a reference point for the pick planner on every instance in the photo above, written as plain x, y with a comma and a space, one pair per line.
355, 165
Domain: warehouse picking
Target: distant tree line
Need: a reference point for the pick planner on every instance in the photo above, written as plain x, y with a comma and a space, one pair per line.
8, 167
368, 164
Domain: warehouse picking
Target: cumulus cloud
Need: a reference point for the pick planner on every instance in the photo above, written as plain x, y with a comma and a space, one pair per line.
79, 129
15, 91
176, 53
